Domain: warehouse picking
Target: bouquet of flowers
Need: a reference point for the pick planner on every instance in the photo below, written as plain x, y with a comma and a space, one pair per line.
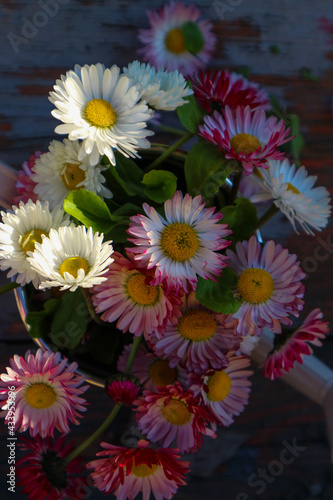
146, 259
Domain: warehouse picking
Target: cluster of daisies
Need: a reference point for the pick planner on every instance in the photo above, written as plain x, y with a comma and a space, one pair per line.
190, 373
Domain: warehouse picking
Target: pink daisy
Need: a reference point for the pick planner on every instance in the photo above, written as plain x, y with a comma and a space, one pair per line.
39, 472
224, 88
122, 391
290, 347
150, 370
167, 43
128, 471
246, 136
171, 413
224, 392
128, 295
269, 285
182, 245
200, 340
46, 393
24, 184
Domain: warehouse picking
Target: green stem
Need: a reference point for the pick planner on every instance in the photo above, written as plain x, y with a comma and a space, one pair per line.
112, 415
273, 209
87, 298
169, 151
9, 286
235, 187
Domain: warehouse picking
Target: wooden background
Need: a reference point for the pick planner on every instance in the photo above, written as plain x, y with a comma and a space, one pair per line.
287, 47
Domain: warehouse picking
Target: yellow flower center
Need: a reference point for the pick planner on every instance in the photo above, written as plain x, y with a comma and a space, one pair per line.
161, 373
245, 143
176, 412
197, 325
179, 241
100, 113
30, 238
40, 396
292, 188
72, 175
143, 470
72, 266
255, 285
175, 42
140, 292
219, 386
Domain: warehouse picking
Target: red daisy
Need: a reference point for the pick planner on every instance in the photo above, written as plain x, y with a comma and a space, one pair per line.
291, 347
122, 391
39, 471
129, 471
24, 184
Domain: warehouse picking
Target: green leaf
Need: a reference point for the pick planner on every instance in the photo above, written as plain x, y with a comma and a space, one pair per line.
218, 296
89, 209
241, 218
39, 321
70, 320
160, 185
191, 114
298, 142
129, 175
194, 40
206, 169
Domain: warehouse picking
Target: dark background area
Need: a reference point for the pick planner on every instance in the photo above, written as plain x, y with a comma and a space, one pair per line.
285, 46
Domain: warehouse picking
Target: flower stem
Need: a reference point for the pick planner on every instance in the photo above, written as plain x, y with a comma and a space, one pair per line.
90, 307
111, 416
273, 209
9, 286
169, 151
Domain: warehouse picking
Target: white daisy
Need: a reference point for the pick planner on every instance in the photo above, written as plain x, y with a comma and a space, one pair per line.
59, 171
20, 230
161, 89
72, 257
292, 191
101, 107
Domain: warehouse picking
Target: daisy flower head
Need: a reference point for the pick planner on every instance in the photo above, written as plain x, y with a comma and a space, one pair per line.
246, 136
171, 413
100, 106
223, 88
269, 283
177, 38
128, 471
47, 393
71, 257
163, 90
20, 231
292, 346
128, 296
39, 474
293, 192
200, 340
122, 389
150, 370
59, 171
24, 184
181, 245
224, 392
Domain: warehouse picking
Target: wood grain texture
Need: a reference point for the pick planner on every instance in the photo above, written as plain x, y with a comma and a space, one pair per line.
248, 33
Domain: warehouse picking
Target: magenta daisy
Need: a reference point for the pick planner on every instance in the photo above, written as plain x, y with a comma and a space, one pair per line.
150, 370
122, 391
182, 245
169, 42
39, 472
224, 392
246, 136
128, 471
46, 393
171, 413
127, 295
200, 340
224, 88
292, 346
269, 283
24, 184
